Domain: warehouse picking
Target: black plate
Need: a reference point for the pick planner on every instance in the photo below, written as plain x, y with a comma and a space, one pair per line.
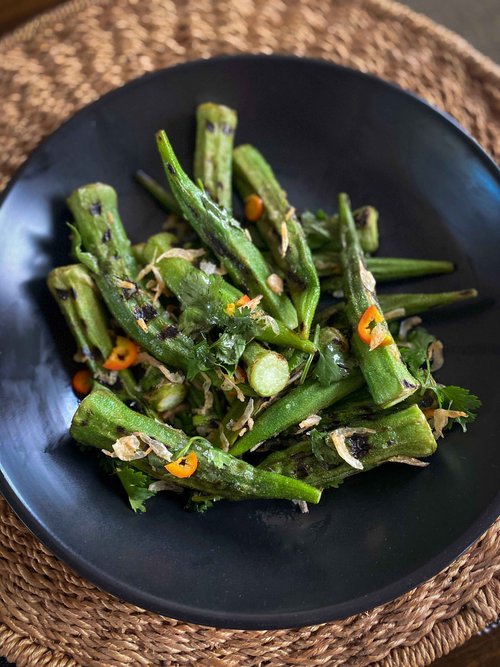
258, 564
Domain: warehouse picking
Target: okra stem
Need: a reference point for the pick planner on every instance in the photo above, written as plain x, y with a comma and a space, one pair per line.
267, 371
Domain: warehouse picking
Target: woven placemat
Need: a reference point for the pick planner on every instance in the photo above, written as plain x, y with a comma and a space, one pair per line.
69, 57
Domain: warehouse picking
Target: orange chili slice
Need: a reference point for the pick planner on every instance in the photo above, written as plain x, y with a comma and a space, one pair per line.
122, 355
370, 318
242, 301
254, 208
82, 381
185, 466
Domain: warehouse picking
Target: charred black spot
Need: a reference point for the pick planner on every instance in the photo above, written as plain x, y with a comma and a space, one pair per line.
408, 385
210, 126
62, 294
428, 400
168, 332
391, 442
361, 217
170, 168
95, 208
146, 312
359, 445
106, 236
128, 292
295, 279
226, 129
72, 293
120, 431
222, 251
301, 471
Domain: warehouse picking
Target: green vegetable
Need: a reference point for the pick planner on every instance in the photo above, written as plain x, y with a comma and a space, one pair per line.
215, 128
398, 306
109, 258
386, 375
267, 371
323, 231
389, 437
295, 406
225, 237
205, 297
102, 418
159, 194
282, 231
136, 485
384, 269
76, 294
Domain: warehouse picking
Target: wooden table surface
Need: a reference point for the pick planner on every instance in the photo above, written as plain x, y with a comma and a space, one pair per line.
481, 25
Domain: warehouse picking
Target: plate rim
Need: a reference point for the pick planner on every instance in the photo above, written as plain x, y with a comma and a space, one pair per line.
245, 621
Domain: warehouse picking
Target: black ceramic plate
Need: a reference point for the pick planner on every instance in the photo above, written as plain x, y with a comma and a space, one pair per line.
256, 564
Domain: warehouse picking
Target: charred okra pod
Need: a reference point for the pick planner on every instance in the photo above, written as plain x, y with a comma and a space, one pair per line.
78, 298
295, 406
279, 226
109, 258
102, 419
215, 128
186, 281
386, 375
326, 459
226, 238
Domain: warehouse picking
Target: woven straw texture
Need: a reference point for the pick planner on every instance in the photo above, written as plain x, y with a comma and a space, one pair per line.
71, 56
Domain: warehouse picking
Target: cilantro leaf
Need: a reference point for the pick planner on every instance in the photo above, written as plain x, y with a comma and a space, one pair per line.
415, 354
136, 485
457, 398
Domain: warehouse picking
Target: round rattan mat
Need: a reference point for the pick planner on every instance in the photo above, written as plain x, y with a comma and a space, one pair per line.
71, 56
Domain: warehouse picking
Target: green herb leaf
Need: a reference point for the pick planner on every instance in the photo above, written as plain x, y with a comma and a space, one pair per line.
136, 485
414, 352
457, 398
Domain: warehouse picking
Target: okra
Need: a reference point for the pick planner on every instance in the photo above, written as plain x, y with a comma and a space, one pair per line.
386, 375
109, 258
101, 419
226, 238
323, 231
282, 231
399, 437
186, 281
215, 128
295, 406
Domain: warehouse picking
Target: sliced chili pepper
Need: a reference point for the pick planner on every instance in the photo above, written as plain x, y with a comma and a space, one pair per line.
240, 375
254, 208
122, 355
370, 318
242, 301
82, 381
185, 466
